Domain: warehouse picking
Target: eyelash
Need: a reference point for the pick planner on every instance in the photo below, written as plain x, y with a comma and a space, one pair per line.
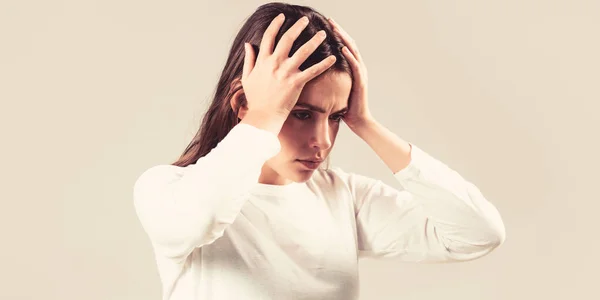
337, 120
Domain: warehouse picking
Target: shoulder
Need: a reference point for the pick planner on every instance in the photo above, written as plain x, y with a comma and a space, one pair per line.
157, 176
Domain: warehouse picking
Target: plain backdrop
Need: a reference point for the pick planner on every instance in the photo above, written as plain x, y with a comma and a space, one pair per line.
95, 92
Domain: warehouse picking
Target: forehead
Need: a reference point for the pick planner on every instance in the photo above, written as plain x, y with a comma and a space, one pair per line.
330, 91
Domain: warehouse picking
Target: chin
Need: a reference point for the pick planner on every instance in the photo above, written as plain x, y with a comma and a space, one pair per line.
301, 176
305, 176
294, 172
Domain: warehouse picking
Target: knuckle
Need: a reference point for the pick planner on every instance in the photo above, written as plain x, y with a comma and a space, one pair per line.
281, 75
271, 62
304, 51
316, 40
286, 64
296, 81
286, 38
314, 70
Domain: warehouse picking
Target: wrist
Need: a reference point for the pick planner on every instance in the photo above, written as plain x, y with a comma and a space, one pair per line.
270, 121
361, 124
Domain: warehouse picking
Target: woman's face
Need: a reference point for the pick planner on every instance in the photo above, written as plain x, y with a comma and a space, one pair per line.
310, 129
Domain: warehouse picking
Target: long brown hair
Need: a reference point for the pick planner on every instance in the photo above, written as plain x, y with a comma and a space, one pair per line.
220, 118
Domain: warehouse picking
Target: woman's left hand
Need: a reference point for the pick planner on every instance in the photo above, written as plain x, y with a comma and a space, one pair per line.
358, 109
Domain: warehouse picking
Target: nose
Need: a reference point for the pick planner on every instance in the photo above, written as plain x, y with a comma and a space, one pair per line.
321, 136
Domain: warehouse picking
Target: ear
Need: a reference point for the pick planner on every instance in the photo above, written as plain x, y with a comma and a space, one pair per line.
238, 99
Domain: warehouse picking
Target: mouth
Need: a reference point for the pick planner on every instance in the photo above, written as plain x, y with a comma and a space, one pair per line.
310, 164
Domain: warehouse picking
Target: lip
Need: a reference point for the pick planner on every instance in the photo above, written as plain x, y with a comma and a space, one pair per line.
310, 164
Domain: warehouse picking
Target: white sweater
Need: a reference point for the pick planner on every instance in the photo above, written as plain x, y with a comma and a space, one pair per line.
218, 234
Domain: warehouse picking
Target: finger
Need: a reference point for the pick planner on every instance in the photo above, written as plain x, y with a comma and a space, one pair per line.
268, 39
249, 60
354, 64
306, 50
347, 39
287, 40
316, 69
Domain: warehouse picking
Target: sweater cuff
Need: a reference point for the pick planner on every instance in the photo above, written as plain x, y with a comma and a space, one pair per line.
249, 137
418, 160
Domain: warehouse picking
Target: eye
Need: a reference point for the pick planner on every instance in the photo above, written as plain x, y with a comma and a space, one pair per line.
302, 115
337, 118
305, 115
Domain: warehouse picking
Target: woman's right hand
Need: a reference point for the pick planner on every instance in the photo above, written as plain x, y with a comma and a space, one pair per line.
273, 81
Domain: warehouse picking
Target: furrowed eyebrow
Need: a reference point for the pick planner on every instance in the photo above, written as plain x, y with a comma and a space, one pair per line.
319, 109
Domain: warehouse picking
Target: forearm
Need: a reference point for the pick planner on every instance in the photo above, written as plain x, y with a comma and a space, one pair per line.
394, 151
453, 212
268, 121
185, 208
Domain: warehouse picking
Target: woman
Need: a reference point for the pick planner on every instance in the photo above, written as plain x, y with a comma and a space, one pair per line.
246, 212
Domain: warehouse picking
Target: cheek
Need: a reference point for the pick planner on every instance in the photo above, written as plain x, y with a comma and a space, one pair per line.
290, 139
295, 130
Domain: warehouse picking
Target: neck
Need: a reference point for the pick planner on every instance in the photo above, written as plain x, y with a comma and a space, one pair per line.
269, 176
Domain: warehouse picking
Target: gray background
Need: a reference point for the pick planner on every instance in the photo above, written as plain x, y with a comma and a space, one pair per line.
94, 92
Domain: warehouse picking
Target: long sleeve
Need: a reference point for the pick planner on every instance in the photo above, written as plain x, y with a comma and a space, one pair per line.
182, 208
435, 216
